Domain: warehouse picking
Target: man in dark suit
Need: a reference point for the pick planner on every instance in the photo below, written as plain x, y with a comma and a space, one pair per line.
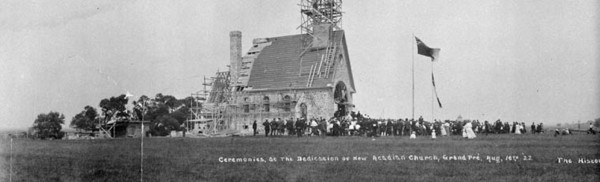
273, 126
267, 126
254, 127
299, 126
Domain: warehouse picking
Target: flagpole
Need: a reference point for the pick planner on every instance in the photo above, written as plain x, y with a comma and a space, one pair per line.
413, 76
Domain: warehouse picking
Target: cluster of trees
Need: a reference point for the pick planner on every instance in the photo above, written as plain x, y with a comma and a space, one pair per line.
165, 112
86, 119
49, 125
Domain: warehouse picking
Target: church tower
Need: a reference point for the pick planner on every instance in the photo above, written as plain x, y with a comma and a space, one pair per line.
319, 19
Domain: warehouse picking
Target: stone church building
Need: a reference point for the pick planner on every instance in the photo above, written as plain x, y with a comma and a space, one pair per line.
276, 78
306, 75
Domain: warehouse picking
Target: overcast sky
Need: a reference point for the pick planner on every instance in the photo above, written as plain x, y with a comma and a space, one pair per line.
527, 61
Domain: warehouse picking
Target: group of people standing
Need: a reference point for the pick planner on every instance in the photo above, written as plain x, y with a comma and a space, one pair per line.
290, 126
360, 126
381, 127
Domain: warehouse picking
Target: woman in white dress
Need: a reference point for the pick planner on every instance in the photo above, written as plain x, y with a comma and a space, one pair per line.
447, 128
518, 129
470, 134
443, 130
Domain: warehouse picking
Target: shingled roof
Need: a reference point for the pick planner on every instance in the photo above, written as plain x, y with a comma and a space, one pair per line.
281, 65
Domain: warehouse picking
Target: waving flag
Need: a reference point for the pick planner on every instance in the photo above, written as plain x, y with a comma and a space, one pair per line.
425, 50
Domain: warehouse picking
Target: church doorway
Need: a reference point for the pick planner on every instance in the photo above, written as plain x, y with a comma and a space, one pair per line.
340, 97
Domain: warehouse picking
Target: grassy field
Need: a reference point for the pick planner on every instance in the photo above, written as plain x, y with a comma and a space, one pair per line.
188, 159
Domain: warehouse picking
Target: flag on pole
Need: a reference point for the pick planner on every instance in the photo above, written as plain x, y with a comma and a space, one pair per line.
425, 50
435, 90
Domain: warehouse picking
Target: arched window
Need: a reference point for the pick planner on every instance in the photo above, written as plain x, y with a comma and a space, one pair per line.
287, 103
266, 104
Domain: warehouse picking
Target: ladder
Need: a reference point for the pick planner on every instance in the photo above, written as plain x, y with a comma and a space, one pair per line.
330, 59
327, 62
311, 75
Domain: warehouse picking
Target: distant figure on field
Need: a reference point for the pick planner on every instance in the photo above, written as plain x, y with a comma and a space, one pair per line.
533, 128
254, 128
443, 129
290, 127
267, 126
299, 127
518, 128
591, 130
413, 135
464, 130
566, 132
433, 134
447, 127
539, 128
273, 127
469, 130
313, 127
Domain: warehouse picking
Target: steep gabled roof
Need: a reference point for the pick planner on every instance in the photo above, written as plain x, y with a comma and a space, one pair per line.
281, 65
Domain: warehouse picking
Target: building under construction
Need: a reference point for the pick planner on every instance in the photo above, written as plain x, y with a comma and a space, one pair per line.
307, 75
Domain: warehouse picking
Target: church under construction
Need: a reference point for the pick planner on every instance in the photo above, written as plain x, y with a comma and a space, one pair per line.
307, 75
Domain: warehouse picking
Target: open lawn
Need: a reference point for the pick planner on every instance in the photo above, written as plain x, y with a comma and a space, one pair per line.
501, 158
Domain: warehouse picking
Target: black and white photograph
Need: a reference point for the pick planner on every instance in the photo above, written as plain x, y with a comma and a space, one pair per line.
300, 90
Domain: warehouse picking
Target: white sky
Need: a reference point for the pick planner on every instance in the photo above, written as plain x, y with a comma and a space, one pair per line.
530, 61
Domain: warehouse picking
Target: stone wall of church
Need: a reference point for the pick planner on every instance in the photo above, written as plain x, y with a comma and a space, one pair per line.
250, 106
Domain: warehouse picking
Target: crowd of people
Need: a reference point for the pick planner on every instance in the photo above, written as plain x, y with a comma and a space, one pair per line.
362, 126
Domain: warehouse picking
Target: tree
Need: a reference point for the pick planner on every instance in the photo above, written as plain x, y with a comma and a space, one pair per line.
158, 97
163, 125
114, 106
140, 107
166, 112
86, 119
143, 99
188, 101
180, 115
49, 125
597, 122
154, 112
169, 100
